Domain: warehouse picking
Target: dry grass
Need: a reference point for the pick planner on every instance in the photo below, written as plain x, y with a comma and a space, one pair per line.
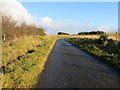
24, 59
113, 36
87, 36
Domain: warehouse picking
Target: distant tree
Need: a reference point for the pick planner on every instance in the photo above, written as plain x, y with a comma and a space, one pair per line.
62, 33
100, 32
83, 33
91, 33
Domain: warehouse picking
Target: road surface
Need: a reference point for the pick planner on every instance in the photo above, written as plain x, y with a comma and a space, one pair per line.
70, 67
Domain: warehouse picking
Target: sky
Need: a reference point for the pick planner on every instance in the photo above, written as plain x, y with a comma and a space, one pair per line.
97, 13
69, 17
94, 15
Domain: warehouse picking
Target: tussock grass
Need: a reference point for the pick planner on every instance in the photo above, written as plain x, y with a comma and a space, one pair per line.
24, 60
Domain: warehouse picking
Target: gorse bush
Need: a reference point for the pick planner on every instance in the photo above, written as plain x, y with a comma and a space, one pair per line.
103, 37
11, 30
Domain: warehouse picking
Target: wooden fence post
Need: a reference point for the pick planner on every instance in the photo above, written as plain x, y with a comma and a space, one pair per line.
116, 36
4, 37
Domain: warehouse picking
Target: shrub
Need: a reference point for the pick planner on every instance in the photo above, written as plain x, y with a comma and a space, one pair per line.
11, 30
103, 37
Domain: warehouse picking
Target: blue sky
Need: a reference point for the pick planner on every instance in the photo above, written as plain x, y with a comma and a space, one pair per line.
90, 13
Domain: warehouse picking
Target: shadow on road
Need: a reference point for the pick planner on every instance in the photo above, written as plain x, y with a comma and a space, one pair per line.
89, 68
69, 54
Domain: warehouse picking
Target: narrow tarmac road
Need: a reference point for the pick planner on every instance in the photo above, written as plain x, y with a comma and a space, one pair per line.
70, 67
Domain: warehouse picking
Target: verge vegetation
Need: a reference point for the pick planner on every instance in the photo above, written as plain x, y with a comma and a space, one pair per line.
105, 49
24, 60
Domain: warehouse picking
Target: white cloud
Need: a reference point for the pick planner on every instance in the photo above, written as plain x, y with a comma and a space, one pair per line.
71, 27
16, 11
105, 28
71, 22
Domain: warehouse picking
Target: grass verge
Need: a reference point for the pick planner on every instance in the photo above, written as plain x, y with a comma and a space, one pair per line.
24, 60
109, 53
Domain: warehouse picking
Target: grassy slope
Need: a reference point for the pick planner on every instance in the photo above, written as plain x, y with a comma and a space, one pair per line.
24, 59
107, 53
